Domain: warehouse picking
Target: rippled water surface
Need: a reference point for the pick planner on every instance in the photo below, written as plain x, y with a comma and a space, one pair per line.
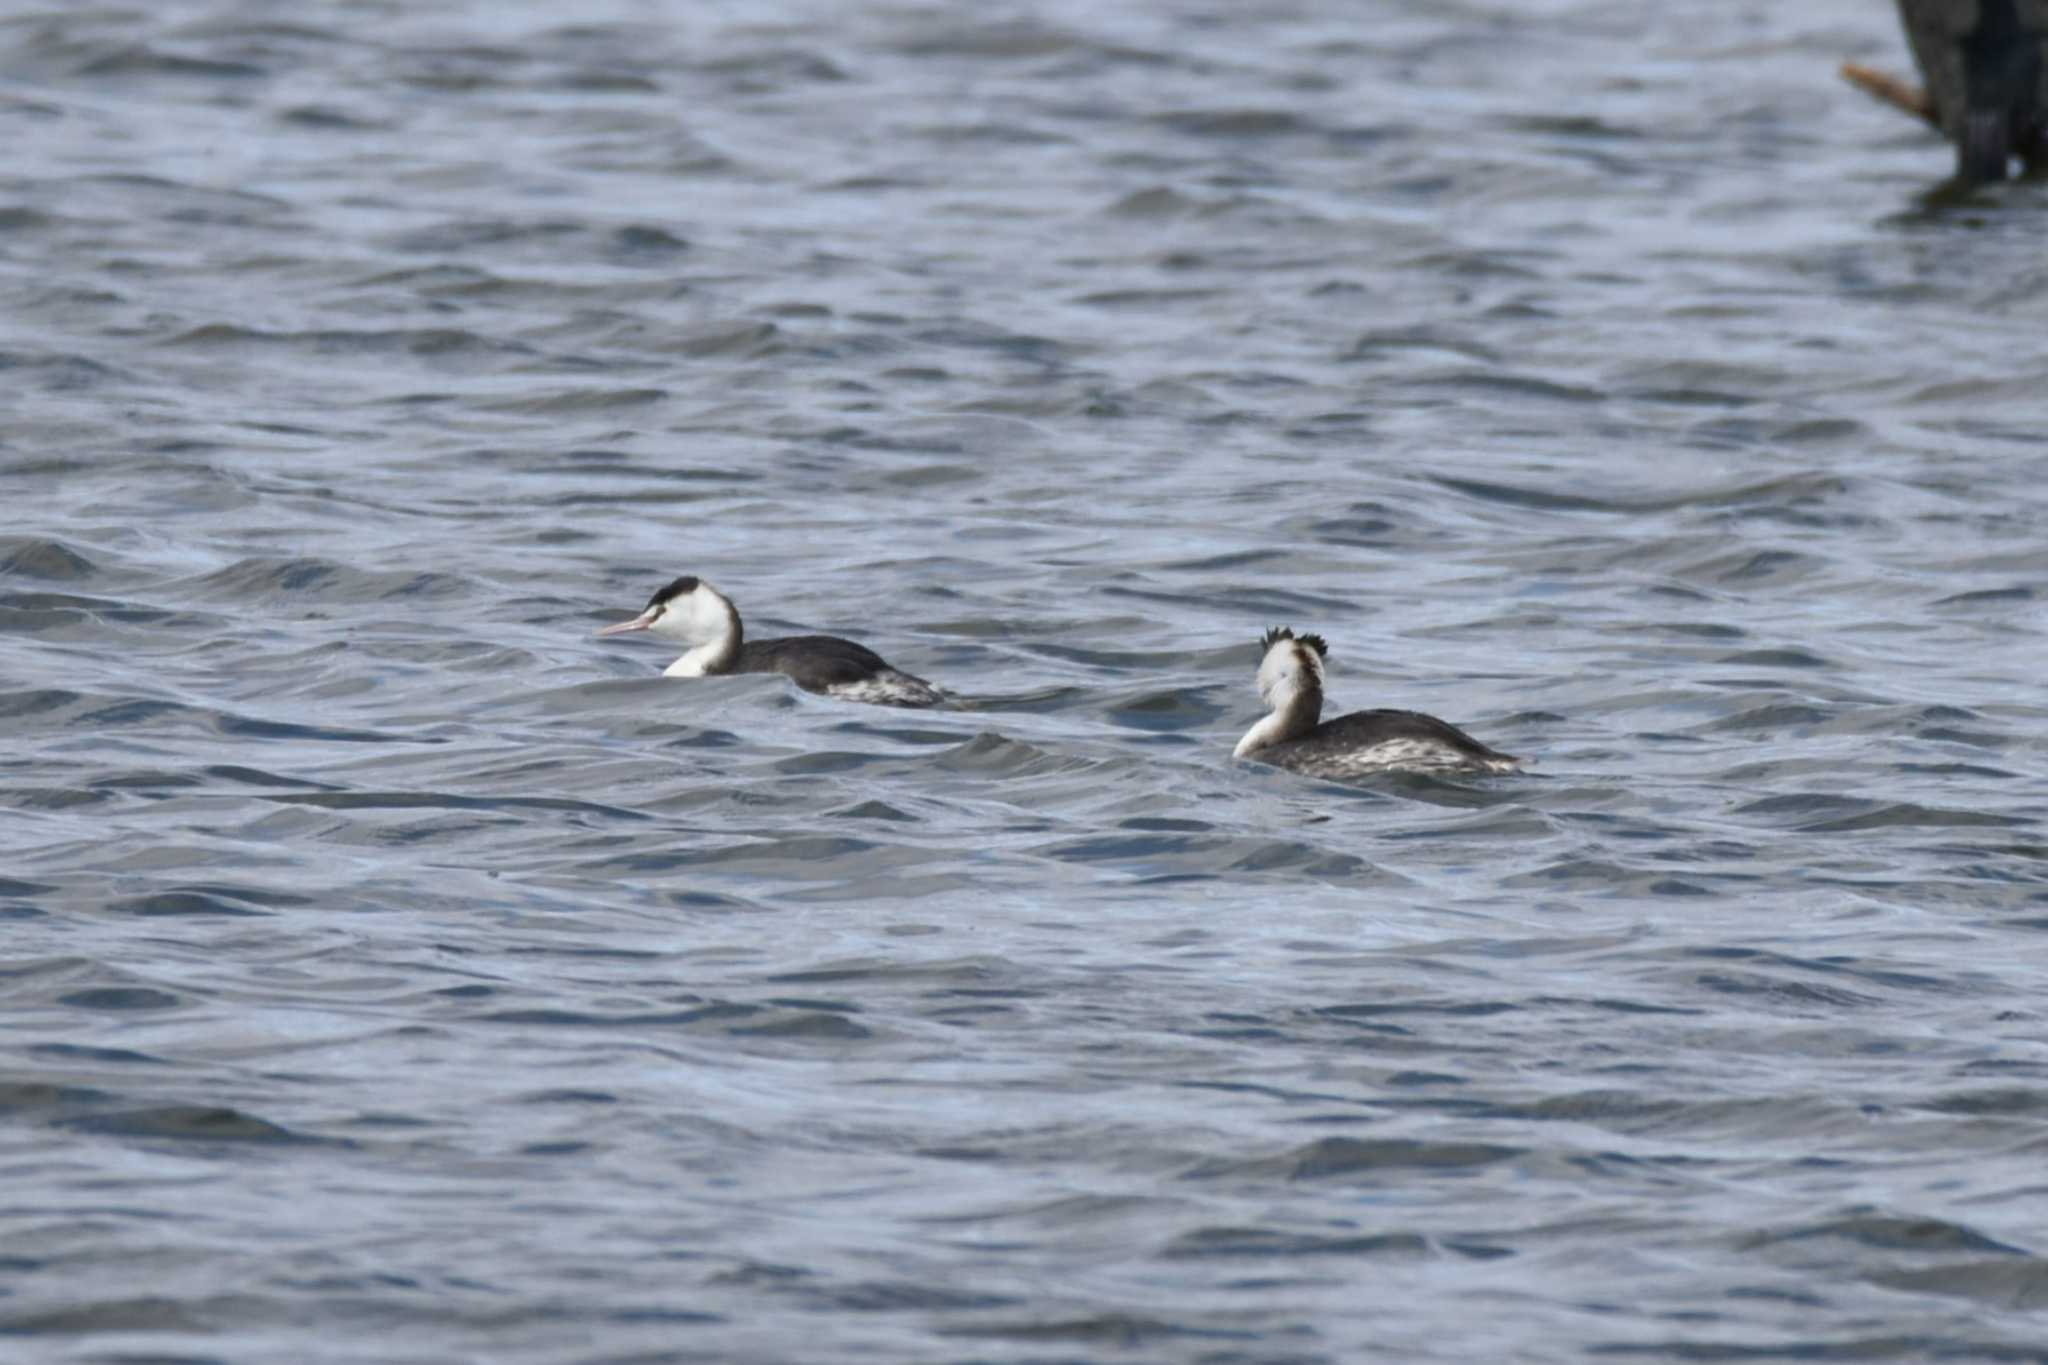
394, 972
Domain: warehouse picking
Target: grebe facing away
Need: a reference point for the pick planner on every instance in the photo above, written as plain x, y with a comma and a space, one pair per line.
700, 617
1291, 681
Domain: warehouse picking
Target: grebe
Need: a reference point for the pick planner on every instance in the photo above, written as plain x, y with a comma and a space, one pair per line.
701, 617
1291, 682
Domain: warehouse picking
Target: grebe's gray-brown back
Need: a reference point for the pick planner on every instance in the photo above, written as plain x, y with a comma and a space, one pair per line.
704, 620
1355, 745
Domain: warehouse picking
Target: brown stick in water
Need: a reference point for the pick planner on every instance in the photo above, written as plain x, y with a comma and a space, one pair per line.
1891, 90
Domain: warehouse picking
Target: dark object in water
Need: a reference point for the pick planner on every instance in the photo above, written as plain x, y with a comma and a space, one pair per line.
1985, 63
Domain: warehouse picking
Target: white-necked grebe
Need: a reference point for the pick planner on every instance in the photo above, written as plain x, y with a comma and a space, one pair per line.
1364, 742
700, 617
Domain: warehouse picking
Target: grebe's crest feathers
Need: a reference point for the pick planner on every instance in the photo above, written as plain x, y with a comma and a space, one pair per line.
682, 587
1279, 633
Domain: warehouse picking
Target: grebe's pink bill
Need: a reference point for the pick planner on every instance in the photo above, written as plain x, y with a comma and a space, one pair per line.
704, 621
1355, 745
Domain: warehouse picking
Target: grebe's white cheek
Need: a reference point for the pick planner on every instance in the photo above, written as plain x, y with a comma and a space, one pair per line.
675, 625
696, 618
1276, 672
703, 614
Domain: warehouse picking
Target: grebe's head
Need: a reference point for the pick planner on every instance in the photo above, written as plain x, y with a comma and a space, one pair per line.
688, 610
1292, 664
1291, 682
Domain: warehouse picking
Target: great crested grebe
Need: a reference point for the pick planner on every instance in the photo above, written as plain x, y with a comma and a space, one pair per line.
1364, 742
704, 620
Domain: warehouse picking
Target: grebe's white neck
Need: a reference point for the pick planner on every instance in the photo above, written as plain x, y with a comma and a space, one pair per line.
1291, 682
692, 613
703, 661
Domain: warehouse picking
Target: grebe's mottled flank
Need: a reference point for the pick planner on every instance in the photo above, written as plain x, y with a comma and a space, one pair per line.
704, 620
1364, 742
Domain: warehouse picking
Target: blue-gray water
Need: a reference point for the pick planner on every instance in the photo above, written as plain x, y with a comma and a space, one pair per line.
394, 973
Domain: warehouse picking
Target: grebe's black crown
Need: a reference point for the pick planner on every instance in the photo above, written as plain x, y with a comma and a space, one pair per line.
1279, 633
682, 587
